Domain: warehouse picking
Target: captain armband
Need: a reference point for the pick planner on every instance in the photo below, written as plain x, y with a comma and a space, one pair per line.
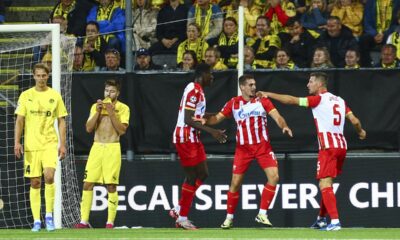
303, 102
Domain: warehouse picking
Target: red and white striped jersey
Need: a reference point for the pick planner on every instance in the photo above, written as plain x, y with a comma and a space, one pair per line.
251, 118
193, 98
329, 113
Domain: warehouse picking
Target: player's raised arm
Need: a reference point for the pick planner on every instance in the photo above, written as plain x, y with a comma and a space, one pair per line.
283, 98
216, 133
93, 119
281, 122
362, 134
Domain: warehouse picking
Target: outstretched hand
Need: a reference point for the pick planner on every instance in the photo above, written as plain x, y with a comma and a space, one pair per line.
362, 135
288, 131
219, 135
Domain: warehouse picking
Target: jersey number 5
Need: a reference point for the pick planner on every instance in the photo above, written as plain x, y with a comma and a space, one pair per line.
338, 117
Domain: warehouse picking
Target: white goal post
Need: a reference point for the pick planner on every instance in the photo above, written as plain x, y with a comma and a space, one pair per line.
54, 29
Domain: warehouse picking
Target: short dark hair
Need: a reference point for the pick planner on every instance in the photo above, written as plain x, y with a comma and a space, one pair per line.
244, 78
321, 76
93, 23
40, 66
216, 51
354, 49
201, 69
113, 51
291, 21
113, 82
232, 19
335, 18
265, 18
389, 46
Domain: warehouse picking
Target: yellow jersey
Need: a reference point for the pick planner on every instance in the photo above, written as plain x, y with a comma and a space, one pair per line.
121, 111
40, 110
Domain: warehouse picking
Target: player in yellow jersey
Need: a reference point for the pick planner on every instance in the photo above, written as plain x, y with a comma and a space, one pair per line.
38, 108
109, 119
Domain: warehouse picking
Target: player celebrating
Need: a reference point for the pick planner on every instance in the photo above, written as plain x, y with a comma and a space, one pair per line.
329, 113
109, 119
188, 145
250, 113
38, 108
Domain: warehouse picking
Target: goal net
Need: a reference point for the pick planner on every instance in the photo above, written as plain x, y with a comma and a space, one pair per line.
19, 51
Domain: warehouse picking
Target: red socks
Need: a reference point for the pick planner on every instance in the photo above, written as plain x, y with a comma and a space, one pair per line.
233, 200
267, 196
329, 199
187, 194
322, 210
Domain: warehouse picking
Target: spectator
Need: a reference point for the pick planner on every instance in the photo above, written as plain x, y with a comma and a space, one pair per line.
352, 59
75, 13
394, 38
189, 61
283, 61
39, 51
208, 17
227, 43
251, 12
171, 27
47, 60
213, 59
193, 42
278, 12
321, 59
62, 22
143, 61
144, 24
249, 58
78, 59
388, 57
315, 17
94, 47
113, 61
337, 39
350, 13
300, 42
264, 45
111, 20
379, 22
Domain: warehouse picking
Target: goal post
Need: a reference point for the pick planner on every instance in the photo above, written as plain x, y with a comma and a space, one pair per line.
58, 69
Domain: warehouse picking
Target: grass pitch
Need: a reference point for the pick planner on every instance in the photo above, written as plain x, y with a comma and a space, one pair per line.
205, 233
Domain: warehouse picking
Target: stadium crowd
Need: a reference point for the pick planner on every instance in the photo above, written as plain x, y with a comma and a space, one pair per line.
279, 34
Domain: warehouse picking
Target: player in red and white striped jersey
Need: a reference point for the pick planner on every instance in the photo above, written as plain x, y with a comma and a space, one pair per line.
329, 113
188, 145
252, 142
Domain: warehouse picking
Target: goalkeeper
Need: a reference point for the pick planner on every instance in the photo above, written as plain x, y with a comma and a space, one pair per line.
109, 119
38, 108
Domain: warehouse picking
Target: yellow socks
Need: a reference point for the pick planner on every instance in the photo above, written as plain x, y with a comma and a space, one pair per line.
112, 206
86, 205
34, 197
49, 191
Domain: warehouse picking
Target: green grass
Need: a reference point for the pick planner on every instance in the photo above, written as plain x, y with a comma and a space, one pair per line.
205, 233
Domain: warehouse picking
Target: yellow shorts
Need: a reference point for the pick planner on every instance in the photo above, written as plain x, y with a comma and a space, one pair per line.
104, 163
36, 161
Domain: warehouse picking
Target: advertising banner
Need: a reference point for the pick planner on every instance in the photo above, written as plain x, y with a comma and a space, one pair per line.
368, 194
